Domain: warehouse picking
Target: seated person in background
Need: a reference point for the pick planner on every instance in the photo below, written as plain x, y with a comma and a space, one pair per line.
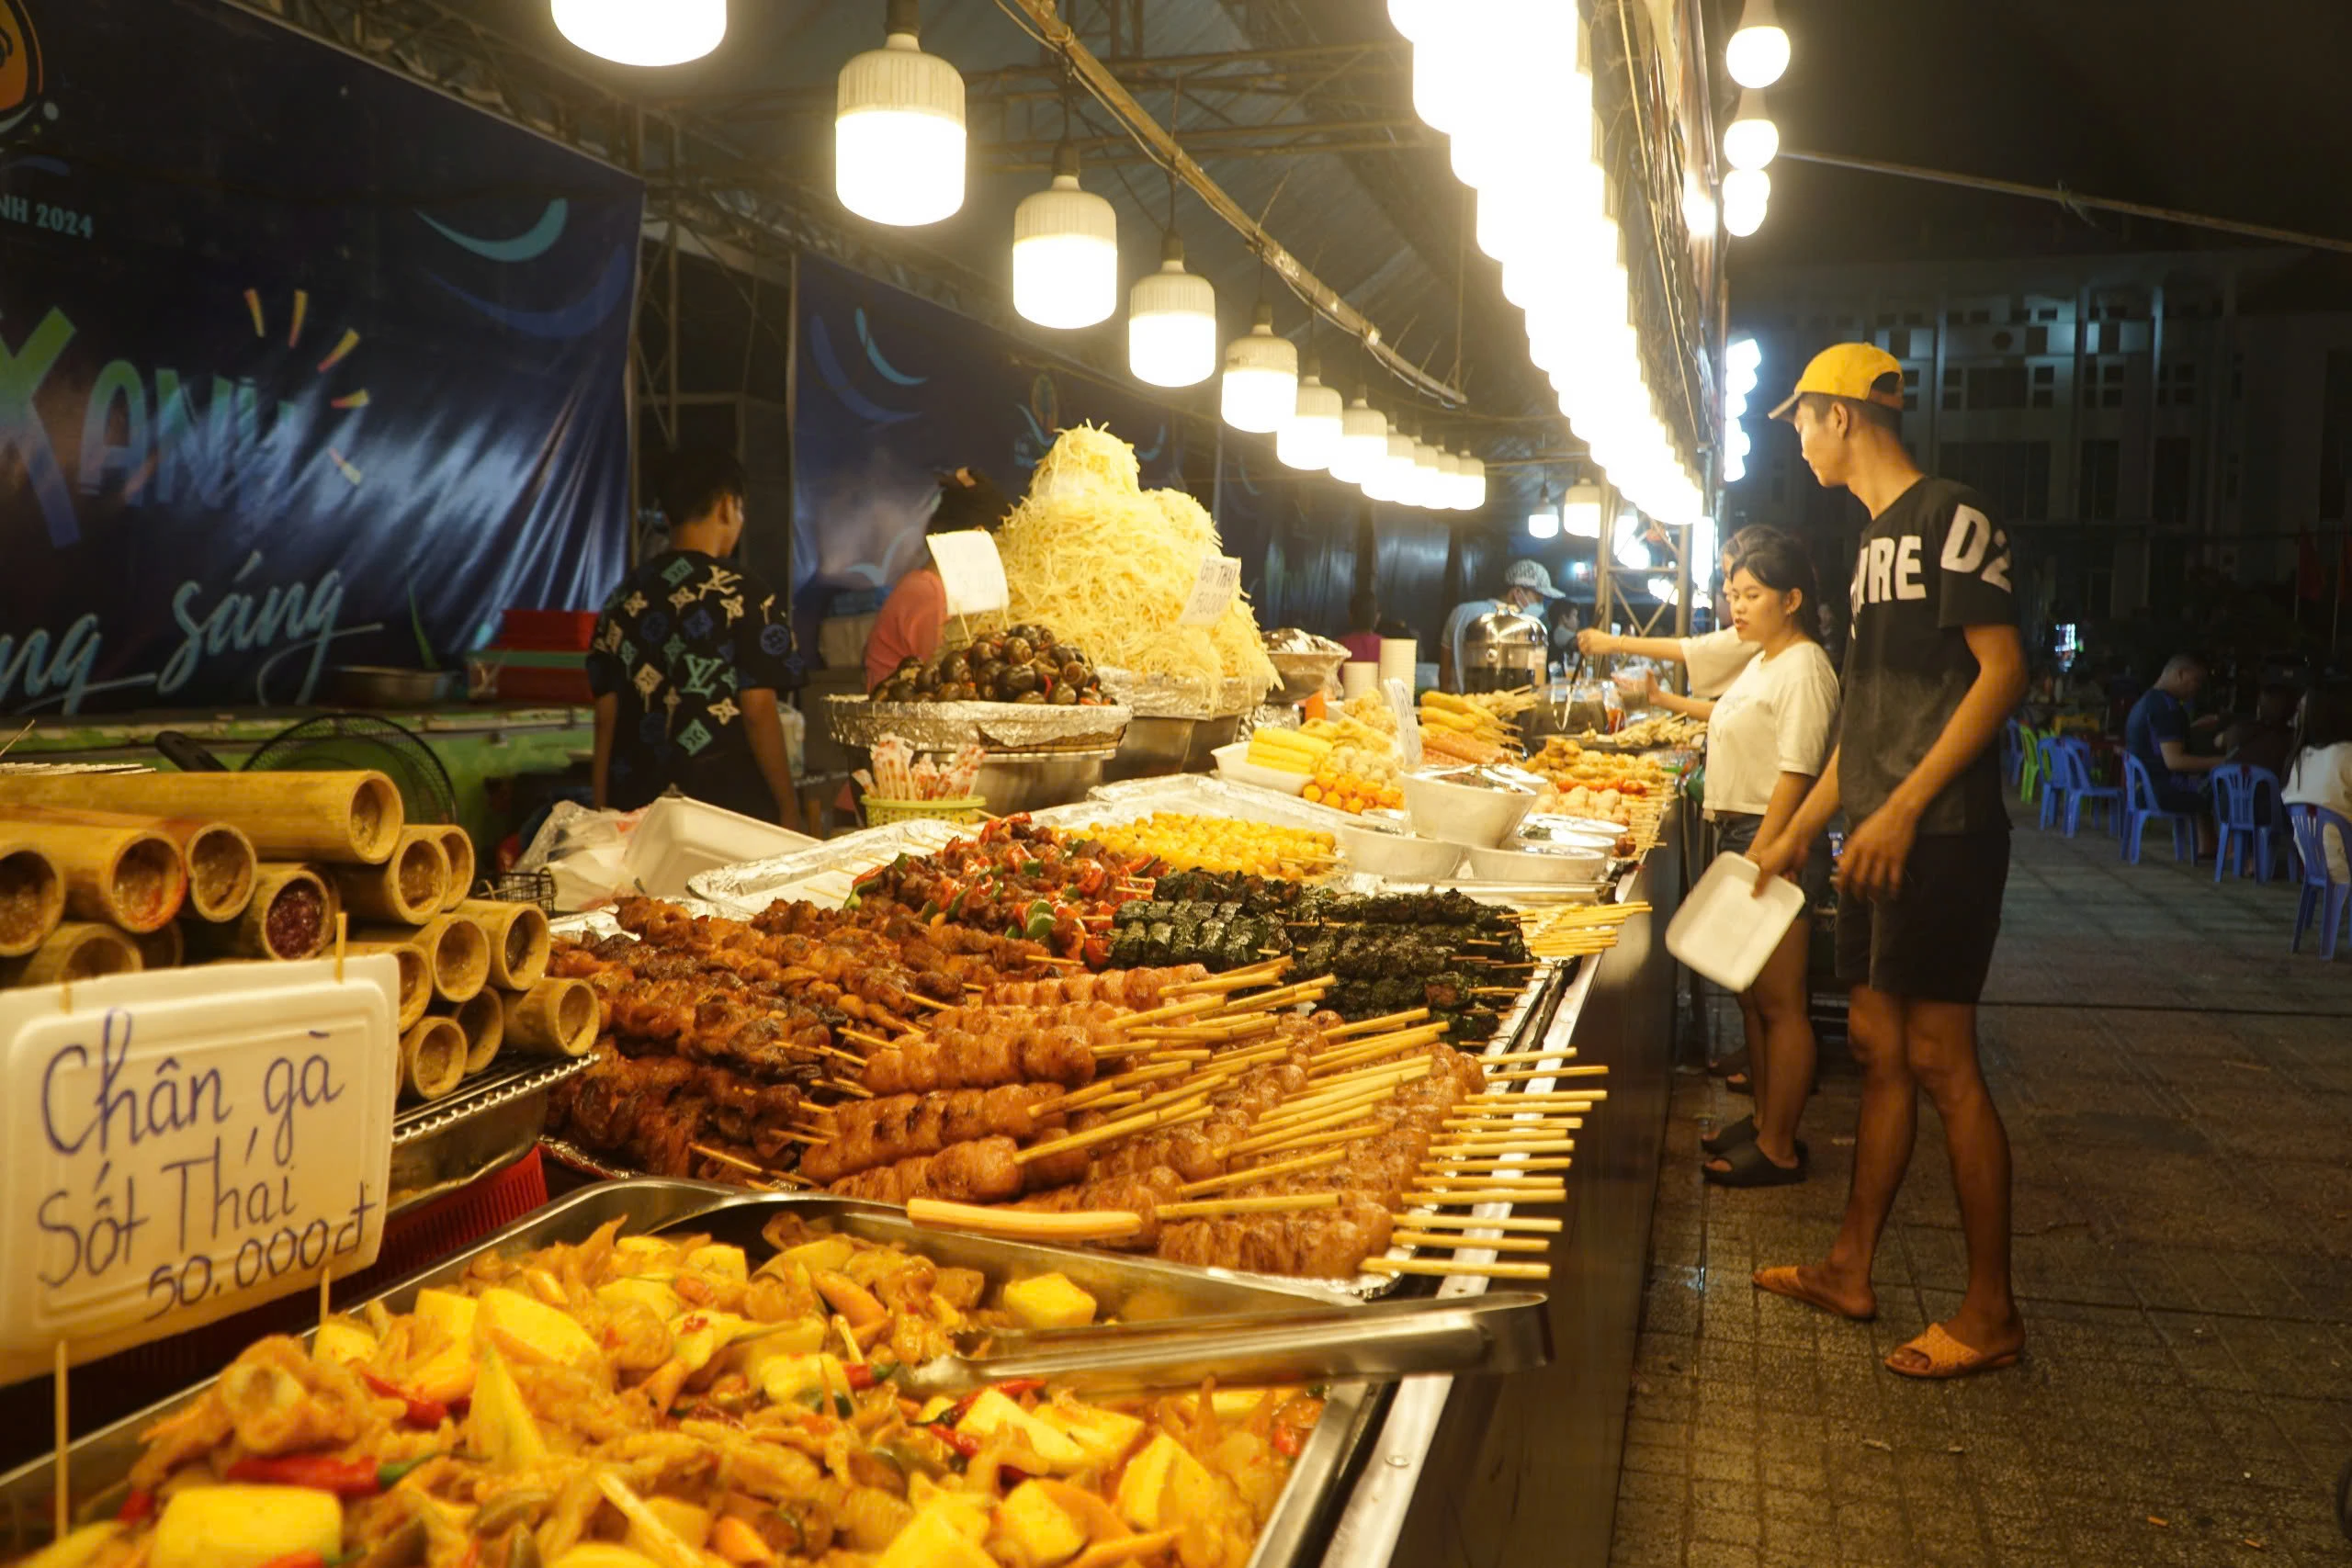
2267, 740
2321, 773
1363, 641
2157, 733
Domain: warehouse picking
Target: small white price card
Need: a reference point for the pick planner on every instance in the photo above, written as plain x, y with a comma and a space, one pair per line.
972, 571
186, 1143
1213, 590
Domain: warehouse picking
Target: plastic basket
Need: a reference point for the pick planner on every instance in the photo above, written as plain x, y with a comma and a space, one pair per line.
954, 808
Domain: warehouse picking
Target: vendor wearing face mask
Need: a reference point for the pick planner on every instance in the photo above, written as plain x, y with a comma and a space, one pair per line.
1526, 585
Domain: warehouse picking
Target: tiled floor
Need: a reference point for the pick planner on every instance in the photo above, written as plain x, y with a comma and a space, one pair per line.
2179, 1093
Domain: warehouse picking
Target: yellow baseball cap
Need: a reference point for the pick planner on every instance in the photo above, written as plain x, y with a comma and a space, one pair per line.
1849, 370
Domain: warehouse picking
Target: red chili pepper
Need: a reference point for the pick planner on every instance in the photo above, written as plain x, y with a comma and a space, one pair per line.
1090, 880
308, 1557
861, 1375
421, 1412
962, 1442
320, 1473
1013, 1388
137, 1507
1096, 952
1287, 1441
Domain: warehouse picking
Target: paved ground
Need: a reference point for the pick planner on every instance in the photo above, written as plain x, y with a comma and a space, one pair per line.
2178, 1091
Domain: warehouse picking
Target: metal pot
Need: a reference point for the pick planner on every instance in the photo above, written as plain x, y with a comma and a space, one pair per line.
379, 686
1031, 780
1502, 652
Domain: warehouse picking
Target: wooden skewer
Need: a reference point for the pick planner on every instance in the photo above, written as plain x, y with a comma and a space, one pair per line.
1374, 1025
1490, 1147
1281, 1202
1469, 1243
1320, 1121
1229, 980
927, 1002
1504, 1120
1541, 1053
1057, 962
1472, 1221
1447, 1265
723, 1158
1025, 1225
856, 1090
1314, 1118
1261, 1172
1469, 1197
1324, 1140
1493, 1164
1519, 1074
839, 1055
61, 1454
1534, 1096
1134, 1122
1102, 1089
1282, 996
1176, 1009
864, 1039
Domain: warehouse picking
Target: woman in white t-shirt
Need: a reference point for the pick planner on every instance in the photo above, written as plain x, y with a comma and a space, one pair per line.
1767, 741
1714, 658
2321, 773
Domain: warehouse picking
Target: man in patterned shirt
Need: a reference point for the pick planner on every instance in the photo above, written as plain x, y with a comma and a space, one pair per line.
690, 654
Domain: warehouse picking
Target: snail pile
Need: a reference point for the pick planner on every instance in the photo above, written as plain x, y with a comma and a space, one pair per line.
1024, 664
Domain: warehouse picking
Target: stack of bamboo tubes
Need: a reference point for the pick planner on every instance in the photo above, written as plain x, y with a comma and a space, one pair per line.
106, 874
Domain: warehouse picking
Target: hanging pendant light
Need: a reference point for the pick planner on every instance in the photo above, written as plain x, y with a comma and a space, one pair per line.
1393, 474
1759, 50
1171, 322
1309, 439
898, 129
1363, 441
1580, 512
1751, 140
1261, 389
1748, 194
1471, 486
1065, 252
643, 32
1428, 484
1544, 523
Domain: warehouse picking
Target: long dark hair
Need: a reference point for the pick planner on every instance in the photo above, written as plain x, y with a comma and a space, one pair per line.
2324, 717
1784, 566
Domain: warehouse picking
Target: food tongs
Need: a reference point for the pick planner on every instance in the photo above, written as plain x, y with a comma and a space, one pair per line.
1502, 1331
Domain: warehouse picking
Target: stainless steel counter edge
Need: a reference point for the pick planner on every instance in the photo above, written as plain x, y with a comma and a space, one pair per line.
1367, 1531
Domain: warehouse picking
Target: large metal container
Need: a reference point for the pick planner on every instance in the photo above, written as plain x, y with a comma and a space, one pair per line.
1133, 1288
1031, 780
1503, 650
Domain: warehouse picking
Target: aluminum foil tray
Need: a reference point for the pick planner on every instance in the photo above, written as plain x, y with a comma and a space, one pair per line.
491, 1122
999, 726
1208, 795
1178, 696
823, 873
101, 1461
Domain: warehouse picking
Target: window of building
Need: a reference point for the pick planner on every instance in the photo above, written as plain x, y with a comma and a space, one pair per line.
1978, 317
2096, 480
2103, 384
1997, 387
2013, 475
1915, 318
2045, 312
2176, 384
1955, 384
2171, 482
1910, 388
1886, 319
2042, 388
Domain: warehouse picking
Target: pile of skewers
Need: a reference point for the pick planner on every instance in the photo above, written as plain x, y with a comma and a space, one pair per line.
1573, 930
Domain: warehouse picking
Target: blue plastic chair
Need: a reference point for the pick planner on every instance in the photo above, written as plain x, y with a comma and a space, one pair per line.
2075, 778
2012, 752
2323, 896
2140, 808
2239, 795
2052, 752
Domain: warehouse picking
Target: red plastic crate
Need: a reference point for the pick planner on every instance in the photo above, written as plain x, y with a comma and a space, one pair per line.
523, 683
548, 631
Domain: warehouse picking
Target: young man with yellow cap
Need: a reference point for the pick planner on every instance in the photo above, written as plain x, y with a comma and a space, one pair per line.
1933, 667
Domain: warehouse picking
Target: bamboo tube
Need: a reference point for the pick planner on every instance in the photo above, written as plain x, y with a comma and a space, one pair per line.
457, 949
415, 989
409, 888
130, 878
483, 1018
554, 1018
519, 943
76, 950
458, 846
218, 858
344, 818
432, 1057
163, 948
32, 896
290, 916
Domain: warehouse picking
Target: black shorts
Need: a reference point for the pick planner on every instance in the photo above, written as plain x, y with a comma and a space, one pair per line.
1933, 941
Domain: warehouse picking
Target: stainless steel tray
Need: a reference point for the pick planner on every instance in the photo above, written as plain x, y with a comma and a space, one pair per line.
822, 875
856, 720
1126, 1287
490, 1123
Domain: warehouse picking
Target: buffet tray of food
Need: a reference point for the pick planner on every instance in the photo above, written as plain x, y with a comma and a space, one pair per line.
493, 1120
822, 873
997, 727
753, 1321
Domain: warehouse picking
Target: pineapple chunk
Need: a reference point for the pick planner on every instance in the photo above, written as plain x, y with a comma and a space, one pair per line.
688, 1523
779, 1341
340, 1339
826, 1252
604, 1554
551, 1332
1158, 1480
641, 1290
446, 1375
1104, 1435
501, 1425
787, 1378
77, 1548
936, 1538
727, 1262
448, 1311
244, 1526
993, 1413
1038, 1525
699, 1335
1048, 1300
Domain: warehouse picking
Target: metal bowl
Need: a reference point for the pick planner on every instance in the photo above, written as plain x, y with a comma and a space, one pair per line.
379, 686
1014, 782
1303, 674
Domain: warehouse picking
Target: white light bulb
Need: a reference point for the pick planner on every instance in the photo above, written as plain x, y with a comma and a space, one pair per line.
1544, 524
899, 141
1363, 441
1746, 193
1310, 438
1751, 139
1260, 391
1171, 322
643, 32
1065, 252
1759, 50
1580, 512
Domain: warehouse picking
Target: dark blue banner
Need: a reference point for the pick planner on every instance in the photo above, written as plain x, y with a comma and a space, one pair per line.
301, 364
895, 390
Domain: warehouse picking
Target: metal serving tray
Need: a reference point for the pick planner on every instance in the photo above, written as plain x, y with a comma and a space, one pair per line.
491, 1122
1136, 1289
822, 875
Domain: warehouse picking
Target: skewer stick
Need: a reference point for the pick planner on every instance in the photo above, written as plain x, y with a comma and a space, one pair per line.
1324, 1140
1174, 1010
864, 1039
1467, 1243
856, 1090
723, 1158
1541, 1053
837, 1053
1472, 1221
1121, 1127
1315, 1117
1468, 1197
1103, 1089
1281, 1202
1519, 1074
1490, 1166
1321, 1122
1025, 1225
342, 931
62, 1450
1262, 1172
1246, 974
1475, 1144
1448, 1265
1283, 996
1374, 1025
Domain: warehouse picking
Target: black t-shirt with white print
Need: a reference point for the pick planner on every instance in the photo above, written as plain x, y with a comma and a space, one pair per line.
1932, 563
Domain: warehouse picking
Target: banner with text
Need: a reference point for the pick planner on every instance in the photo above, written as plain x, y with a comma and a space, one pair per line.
301, 362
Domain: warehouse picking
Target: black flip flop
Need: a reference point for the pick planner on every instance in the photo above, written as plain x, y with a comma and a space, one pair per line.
1725, 1139
1740, 1083
1751, 1167
1724, 1066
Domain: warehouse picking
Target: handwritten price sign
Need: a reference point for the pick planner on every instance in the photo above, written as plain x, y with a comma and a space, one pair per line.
189, 1144
1213, 590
